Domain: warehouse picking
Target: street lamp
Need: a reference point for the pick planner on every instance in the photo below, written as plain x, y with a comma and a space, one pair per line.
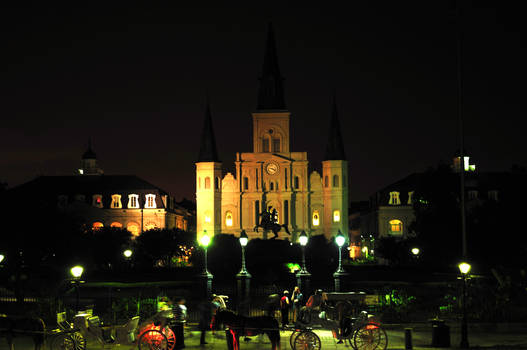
243, 277
76, 272
205, 241
302, 239
2, 257
340, 239
415, 251
302, 276
127, 254
464, 268
243, 242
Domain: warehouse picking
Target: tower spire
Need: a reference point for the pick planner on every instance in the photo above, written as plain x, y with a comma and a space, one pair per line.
271, 89
207, 150
335, 147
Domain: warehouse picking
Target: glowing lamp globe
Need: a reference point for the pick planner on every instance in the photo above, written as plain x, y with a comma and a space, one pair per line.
205, 239
415, 251
340, 239
243, 238
303, 238
127, 253
464, 268
76, 271
2, 257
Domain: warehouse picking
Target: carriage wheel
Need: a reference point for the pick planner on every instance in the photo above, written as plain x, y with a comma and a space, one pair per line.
370, 336
307, 340
292, 338
152, 339
69, 341
171, 338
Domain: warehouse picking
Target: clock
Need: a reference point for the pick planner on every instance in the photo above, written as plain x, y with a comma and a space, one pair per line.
271, 168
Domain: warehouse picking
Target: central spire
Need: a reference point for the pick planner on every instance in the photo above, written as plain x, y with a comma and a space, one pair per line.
207, 150
335, 147
271, 90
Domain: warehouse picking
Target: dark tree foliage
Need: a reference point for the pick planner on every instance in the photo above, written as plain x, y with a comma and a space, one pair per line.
157, 247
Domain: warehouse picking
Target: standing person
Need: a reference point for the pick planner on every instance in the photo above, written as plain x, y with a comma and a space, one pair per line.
284, 308
180, 317
296, 299
205, 315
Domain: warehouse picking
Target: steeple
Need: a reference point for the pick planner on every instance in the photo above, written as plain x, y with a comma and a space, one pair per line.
271, 90
335, 147
89, 154
207, 150
89, 164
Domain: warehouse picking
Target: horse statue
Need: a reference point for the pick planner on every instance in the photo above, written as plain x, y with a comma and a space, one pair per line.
239, 325
269, 222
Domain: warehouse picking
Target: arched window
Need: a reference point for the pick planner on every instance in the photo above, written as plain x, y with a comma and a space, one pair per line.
245, 183
116, 201
336, 215
207, 183
297, 185
228, 219
335, 181
276, 144
133, 227
394, 198
97, 226
326, 181
316, 218
207, 217
133, 201
396, 227
116, 224
150, 201
265, 143
271, 186
217, 183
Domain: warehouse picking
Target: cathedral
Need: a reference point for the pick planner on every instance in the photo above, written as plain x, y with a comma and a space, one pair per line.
272, 176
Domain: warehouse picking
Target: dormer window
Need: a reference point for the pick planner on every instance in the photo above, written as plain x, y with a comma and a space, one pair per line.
150, 201
97, 200
133, 201
493, 195
394, 198
116, 201
472, 195
410, 195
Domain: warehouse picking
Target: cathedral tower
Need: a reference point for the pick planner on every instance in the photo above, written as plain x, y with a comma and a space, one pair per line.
335, 180
208, 182
89, 164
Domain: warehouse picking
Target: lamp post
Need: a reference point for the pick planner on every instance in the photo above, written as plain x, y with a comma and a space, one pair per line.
464, 268
127, 253
76, 272
303, 276
337, 276
243, 277
205, 241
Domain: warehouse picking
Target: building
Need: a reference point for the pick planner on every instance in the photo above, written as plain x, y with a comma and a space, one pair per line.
99, 200
272, 175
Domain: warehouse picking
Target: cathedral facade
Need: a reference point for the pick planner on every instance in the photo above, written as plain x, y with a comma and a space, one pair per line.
272, 176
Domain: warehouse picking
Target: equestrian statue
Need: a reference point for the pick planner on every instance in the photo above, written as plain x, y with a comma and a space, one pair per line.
269, 222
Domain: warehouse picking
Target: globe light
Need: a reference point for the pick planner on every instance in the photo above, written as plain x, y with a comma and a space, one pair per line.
303, 238
205, 239
127, 253
464, 268
340, 239
76, 271
415, 251
2, 257
243, 238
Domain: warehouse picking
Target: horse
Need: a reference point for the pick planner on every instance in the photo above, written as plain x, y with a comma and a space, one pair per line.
247, 326
274, 227
11, 326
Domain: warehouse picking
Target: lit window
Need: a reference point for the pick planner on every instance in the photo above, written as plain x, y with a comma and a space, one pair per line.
326, 181
116, 224
207, 217
316, 218
410, 197
97, 226
472, 195
97, 200
394, 198
133, 227
396, 227
336, 215
116, 201
133, 201
228, 219
150, 201
493, 195
207, 183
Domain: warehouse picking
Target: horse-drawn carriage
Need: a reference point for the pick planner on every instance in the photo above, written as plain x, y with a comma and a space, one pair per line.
340, 313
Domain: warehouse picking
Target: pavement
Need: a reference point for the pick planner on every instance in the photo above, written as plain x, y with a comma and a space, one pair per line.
490, 337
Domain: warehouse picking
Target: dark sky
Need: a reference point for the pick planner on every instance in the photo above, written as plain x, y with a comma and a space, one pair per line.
134, 79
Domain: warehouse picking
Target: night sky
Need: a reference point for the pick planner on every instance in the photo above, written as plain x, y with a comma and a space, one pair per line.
135, 80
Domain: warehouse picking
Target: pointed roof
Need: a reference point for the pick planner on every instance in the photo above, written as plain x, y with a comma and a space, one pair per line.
89, 154
271, 89
335, 147
207, 150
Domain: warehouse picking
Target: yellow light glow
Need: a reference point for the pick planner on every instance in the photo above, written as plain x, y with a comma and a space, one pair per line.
336, 216
76, 271
207, 219
316, 218
415, 251
464, 268
127, 253
228, 219
205, 239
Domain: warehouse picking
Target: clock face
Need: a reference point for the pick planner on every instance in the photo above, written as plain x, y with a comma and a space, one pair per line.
271, 168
